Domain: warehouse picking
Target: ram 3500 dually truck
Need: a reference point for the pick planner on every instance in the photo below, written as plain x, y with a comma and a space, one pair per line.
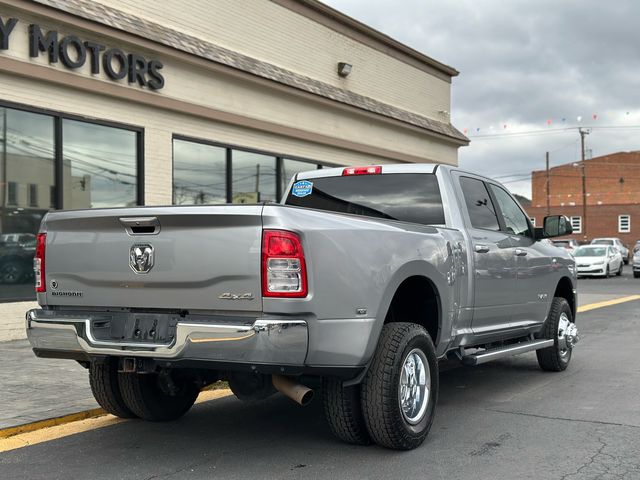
358, 282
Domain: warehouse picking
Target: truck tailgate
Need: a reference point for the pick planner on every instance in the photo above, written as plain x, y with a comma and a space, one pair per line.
201, 257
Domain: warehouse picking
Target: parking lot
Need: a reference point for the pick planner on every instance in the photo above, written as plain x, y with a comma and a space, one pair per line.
506, 419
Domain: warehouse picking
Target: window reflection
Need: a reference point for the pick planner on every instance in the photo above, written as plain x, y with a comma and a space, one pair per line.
99, 166
254, 177
26, 178
198, 173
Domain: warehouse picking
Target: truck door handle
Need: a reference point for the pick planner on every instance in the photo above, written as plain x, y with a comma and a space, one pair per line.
520, 252
480, 248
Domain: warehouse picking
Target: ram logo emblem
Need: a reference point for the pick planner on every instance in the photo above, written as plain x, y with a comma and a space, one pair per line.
141, 258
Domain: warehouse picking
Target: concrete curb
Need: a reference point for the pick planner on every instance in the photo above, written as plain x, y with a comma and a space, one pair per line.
51, 422
205, 396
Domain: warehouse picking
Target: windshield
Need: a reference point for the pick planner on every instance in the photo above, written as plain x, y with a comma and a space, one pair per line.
561, 243
602, 242
590, 252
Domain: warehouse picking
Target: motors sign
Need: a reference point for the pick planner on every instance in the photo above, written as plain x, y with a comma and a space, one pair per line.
74, 53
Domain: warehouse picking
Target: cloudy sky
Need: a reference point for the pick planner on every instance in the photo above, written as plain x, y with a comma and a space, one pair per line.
544, 67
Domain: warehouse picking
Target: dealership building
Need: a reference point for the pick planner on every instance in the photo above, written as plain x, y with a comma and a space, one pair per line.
113, 103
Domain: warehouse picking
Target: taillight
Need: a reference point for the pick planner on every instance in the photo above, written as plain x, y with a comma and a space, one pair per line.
370, 170
38, 263
283, 268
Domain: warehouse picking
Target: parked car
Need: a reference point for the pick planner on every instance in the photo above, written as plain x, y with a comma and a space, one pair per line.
570, 244
16, 257
636, 263
360, 280
636, 247
598, 260
624, 251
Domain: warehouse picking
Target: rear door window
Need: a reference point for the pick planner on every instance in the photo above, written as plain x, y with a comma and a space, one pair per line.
396, 196
482, 213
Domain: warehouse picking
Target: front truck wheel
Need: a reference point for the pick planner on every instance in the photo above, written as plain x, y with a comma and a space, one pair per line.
560, 327
400, 390
343, 411
103, 378
158, 397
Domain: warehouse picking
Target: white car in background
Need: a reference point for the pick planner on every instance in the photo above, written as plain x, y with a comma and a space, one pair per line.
616, 242
636, 262
598, 261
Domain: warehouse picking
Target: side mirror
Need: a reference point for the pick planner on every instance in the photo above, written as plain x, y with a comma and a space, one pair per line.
556, 226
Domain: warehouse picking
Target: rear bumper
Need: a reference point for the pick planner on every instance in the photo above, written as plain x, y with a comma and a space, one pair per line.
256, 341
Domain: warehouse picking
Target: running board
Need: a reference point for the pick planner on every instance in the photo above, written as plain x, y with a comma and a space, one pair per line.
509, 350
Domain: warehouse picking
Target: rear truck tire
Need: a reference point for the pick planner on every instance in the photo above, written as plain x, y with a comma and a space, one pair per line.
400, 389
343, 411
158, 397
619, 272
103, 378
557, 357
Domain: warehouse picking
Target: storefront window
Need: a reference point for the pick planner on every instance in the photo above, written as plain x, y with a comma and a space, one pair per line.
253, 177
26, 178
198, 173
99, 166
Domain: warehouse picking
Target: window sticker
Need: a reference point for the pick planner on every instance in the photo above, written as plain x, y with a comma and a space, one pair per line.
302, 188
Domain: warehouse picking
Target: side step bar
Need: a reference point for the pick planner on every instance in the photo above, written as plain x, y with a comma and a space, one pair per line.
508, 351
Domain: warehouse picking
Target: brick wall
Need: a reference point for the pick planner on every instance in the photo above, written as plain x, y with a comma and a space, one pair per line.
610, 180
602, 220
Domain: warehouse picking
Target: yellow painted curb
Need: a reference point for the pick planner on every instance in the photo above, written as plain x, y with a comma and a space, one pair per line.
608, 303
59, 427
51, 422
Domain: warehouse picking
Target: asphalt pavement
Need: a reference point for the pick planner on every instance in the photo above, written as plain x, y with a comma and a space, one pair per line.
505, 419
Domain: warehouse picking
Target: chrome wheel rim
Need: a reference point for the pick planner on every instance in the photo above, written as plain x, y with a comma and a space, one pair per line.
563, 325
415, 386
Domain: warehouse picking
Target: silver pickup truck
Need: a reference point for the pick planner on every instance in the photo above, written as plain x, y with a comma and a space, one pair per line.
357, 284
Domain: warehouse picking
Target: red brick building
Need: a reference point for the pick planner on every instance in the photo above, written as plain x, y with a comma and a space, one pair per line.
612, 191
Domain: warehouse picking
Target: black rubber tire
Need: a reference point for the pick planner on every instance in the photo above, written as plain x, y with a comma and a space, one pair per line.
636, 275
144, 396
343, 411
549, 358
103, 378
380, 403
607, 273
619, 272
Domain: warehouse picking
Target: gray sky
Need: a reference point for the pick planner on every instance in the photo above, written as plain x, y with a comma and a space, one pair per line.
521, 64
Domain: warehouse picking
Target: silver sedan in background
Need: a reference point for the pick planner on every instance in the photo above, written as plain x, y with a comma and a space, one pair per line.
598, 261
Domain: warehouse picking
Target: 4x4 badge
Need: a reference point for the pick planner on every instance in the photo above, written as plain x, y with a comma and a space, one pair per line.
141, 258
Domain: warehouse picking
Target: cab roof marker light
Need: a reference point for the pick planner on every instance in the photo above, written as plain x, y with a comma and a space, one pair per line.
369, 170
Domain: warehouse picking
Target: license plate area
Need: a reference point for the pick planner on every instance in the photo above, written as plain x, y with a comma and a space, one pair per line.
152, 328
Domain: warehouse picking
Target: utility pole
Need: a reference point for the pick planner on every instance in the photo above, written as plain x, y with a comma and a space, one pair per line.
583, 133
547, 189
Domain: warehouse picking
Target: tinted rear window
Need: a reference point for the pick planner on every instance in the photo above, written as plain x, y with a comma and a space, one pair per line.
400, 196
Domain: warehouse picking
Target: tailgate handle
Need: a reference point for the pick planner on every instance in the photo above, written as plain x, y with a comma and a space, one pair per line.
141, 225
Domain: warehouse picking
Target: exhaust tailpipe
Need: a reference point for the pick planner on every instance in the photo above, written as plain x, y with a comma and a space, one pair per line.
298, 393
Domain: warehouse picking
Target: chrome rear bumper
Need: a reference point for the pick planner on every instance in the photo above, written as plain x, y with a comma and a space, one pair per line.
261, 341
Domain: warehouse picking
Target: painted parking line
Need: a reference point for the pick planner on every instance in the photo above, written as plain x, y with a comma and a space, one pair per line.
47, 430
608, 303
